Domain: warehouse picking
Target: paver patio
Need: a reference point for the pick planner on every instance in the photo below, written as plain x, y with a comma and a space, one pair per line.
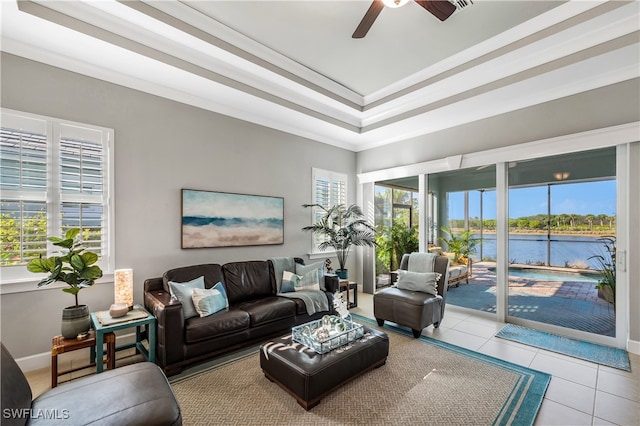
568, 304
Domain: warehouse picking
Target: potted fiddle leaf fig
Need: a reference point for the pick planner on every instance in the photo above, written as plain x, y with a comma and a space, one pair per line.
342, 228
77, 268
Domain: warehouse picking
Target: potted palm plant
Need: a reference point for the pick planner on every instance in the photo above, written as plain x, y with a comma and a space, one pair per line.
607, 261
77, 269
341, 228
462, 245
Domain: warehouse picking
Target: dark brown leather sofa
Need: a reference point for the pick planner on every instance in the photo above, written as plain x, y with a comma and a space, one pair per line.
136, 394
255, 312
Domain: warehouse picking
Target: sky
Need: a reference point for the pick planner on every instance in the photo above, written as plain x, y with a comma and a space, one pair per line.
573, 198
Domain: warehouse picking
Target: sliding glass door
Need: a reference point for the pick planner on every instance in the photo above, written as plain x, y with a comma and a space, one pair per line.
464, 221
562, 233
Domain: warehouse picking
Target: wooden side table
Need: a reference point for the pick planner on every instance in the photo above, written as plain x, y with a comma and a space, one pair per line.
141, 318
60, 345
348, 286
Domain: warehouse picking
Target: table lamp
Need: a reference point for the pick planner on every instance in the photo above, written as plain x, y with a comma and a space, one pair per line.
122, 291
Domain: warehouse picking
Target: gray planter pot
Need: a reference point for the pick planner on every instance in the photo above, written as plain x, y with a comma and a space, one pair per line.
75, 320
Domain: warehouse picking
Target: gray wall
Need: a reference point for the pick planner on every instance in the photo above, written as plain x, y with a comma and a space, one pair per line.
161, 146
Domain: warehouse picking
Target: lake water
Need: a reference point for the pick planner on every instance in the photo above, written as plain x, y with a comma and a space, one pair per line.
531, 249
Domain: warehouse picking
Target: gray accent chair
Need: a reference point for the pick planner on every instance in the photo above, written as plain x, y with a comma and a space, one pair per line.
136, 394
413, 309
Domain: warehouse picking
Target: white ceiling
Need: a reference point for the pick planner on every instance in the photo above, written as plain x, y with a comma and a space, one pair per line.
293, 66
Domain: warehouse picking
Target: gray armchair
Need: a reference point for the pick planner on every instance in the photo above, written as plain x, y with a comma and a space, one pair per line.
136, 394
413, 309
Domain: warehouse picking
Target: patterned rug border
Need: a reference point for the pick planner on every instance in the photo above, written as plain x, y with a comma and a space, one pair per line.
526, 398
592, 352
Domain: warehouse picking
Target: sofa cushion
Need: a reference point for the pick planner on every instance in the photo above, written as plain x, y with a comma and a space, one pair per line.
136, 394
456, 271
247, 280
210, 300
211, 272
218, 324
183, 293
267, 309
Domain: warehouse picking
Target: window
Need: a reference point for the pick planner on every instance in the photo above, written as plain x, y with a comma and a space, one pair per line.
329, 189
55, 175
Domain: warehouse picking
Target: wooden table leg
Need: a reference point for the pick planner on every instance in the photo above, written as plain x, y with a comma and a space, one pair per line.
54, 369
110, 340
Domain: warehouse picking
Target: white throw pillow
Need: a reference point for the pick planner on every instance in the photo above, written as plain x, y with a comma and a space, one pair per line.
425, 282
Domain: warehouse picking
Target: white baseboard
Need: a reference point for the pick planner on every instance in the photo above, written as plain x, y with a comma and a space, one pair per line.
633, 346
43, 360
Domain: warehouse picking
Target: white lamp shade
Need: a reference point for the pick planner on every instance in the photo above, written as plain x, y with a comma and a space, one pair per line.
123, 286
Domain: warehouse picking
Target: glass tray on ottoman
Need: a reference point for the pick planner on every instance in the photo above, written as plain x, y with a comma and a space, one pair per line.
305, 334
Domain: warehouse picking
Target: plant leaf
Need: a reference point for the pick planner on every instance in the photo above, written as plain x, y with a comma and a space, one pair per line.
77, 263
72, 233
89, 258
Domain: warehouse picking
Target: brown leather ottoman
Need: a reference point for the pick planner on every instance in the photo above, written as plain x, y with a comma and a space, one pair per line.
309, 376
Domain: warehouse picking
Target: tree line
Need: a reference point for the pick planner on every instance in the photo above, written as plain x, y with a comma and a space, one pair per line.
601, 223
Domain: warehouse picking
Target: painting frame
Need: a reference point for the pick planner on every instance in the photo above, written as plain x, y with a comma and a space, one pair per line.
211, 219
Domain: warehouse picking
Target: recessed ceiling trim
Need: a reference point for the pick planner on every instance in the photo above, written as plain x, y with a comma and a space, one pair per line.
489, 77
286, 93
505, 42
198, 24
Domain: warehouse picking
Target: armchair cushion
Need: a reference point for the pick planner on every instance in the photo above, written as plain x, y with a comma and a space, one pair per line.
425, 282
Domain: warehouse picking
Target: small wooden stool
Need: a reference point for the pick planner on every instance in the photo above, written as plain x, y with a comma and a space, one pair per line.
61, 345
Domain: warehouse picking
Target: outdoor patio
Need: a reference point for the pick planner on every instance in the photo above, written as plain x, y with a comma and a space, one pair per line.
570, 304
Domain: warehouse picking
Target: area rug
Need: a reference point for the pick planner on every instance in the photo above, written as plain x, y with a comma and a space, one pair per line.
600, 354
423, 382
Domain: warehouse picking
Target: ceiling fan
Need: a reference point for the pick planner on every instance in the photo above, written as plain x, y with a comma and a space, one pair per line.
441, 9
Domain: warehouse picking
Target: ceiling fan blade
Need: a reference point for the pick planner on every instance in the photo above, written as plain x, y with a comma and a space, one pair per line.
369, 18
441, 9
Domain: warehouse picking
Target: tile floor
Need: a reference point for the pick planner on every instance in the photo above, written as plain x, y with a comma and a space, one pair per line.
580, 392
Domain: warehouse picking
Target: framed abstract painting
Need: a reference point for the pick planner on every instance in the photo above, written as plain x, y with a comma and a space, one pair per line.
222, 219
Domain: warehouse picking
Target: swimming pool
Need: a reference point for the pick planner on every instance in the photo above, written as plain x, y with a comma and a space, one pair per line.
551, 274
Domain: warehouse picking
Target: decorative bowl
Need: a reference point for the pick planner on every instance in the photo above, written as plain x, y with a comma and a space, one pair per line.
118, 310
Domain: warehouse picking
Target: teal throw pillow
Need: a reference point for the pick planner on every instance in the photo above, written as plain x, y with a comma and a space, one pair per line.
211, 300
304, 269
183, 291
425, 282
308, 281
289, 282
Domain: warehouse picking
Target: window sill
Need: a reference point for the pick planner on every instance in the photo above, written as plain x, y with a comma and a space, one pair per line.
25, 285
321, 254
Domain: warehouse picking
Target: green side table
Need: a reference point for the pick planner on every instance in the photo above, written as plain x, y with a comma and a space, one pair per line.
138, 317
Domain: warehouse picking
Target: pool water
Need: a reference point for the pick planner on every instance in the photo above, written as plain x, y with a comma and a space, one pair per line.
550, 275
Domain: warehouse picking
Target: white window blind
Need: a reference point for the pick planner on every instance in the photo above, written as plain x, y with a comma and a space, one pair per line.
329, 189
54, 176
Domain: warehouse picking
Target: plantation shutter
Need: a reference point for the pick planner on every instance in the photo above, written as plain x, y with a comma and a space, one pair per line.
330, 189
23, 184
54, 177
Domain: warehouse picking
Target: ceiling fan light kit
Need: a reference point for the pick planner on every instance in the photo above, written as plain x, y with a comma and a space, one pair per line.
441, 9
395, 3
